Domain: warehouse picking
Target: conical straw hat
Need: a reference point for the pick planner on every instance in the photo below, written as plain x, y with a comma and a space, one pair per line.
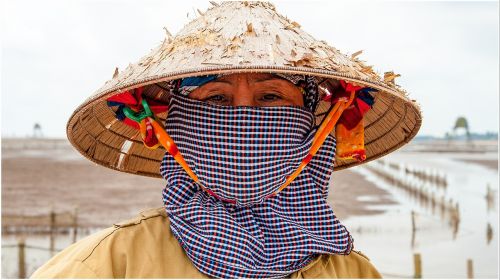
234, 37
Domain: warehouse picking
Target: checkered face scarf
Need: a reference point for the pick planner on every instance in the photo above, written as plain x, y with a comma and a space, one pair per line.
244, 154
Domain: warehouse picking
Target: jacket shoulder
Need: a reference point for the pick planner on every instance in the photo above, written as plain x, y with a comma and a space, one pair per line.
354, 265
69, 263
144, 215
105, 253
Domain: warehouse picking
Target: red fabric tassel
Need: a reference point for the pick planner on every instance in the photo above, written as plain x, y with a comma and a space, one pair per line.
125, 98
133, 101
353, 114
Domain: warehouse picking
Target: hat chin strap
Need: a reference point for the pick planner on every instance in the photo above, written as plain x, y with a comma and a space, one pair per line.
324, 130
168, 143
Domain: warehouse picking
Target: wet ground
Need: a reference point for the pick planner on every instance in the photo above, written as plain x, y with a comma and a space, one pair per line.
43, 175
466, 227
375, 202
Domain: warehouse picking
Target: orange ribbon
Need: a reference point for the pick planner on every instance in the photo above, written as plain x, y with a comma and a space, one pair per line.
324, 130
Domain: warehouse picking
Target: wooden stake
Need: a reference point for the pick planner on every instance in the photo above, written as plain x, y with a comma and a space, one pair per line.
21, 258
52, 229
470, 269
413, 225
489, 233
75, 224
414, 229
417, 260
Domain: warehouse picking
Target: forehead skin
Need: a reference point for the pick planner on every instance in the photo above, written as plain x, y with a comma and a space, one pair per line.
250, 89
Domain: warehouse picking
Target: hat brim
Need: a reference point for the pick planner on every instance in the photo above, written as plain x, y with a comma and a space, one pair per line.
96, 133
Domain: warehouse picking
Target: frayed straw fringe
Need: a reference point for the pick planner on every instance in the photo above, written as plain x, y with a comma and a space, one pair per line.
217, 43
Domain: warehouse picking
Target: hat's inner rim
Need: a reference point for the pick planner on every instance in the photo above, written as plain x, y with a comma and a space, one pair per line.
117, 129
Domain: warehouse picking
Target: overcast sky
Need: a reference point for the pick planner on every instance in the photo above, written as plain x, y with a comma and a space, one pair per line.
57, 53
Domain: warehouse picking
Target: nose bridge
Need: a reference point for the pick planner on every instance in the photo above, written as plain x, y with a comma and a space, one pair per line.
243, 95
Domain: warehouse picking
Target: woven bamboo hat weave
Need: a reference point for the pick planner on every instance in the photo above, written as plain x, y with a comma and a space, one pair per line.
235, 37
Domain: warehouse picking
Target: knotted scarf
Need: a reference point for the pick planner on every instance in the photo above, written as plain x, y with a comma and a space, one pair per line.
242, 154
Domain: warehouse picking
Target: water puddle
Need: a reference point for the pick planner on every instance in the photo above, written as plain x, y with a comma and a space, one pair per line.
452, 206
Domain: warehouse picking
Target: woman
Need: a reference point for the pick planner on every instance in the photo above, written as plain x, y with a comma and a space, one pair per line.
250, 148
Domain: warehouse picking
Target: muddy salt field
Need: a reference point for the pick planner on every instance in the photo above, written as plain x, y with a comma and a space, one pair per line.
421, 211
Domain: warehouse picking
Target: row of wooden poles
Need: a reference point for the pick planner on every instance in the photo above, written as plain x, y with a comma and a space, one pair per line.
436, 178
450, 207
428, 199
54, 227
21, 256
428, 176
53, 230
432, 176
417, 262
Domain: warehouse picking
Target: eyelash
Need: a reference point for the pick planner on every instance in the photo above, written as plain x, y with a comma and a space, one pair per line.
212, 97
277, 96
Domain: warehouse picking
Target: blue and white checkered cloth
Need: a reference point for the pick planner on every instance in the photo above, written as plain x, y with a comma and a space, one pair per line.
245, 153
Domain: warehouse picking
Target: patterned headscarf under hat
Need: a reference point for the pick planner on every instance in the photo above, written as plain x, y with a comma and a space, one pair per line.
307, 85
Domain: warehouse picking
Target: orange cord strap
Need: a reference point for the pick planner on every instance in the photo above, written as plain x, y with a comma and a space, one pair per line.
325, 128
325, 122
332, 118
167, 142
147, 121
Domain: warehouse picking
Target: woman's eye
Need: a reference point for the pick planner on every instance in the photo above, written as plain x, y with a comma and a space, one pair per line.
218, 98
271, 97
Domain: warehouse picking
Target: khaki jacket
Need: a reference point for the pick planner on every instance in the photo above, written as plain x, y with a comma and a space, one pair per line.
144, 247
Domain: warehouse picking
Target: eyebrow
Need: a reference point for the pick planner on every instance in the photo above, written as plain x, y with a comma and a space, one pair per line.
220, 81
268, 79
